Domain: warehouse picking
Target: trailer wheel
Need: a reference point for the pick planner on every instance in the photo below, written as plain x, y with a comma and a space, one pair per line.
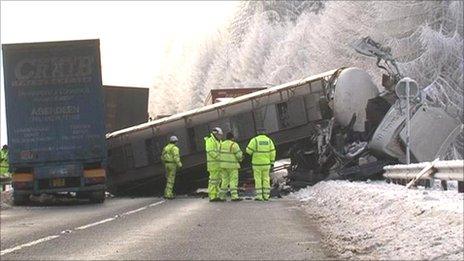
20, 199
97, 196
113, 190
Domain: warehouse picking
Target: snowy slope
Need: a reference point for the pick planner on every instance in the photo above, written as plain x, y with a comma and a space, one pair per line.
375, 220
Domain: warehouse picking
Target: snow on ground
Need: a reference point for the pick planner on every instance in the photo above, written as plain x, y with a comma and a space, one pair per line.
376, 220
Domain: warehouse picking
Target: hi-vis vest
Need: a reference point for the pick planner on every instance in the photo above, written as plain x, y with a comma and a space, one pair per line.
230, 155
212, 146
262, 150
3, 161
171, 155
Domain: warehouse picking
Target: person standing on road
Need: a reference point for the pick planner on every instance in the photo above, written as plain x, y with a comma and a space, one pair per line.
230, 156
171, 160
262, 150
212, 146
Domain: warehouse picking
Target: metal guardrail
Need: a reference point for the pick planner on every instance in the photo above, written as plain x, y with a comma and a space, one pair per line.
443, 170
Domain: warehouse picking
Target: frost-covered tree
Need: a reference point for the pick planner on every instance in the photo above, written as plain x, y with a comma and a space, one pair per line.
168, 96
255, 49
199, 73
219, 74
427, 38
272, 42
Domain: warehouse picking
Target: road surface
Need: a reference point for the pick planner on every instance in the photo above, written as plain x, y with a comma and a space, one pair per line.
152, 228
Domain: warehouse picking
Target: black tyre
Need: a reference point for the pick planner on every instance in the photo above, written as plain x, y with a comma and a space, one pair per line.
20, 199
97, 196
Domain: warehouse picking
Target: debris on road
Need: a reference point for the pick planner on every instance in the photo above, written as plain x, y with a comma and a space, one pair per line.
376, 220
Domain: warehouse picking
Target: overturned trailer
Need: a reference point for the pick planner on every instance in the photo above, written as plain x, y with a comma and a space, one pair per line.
333, 125
291, 113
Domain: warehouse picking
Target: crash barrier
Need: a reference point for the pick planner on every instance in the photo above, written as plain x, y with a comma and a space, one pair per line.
442, 170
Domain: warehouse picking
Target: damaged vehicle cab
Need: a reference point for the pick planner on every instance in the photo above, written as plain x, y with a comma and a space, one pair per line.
54, 109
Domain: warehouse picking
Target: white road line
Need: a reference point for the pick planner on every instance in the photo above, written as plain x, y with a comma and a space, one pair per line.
157, 203
95, 224
38, 241
134, 211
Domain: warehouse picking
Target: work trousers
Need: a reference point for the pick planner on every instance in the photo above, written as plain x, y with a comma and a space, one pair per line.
262, 182
213, 183
170, 179
229, 179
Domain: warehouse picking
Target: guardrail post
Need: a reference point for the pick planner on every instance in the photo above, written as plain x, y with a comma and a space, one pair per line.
428, 171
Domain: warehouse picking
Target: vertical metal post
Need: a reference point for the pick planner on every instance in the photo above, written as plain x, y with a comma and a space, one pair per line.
408, 124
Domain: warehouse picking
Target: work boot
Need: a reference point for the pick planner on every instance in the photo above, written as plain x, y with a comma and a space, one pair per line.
258, 199
237, 199
215, 200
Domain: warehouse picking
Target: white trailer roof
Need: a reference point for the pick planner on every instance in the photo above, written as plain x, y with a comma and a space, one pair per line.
222, 104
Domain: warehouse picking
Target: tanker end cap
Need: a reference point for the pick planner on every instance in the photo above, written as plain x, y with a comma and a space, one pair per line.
354, 88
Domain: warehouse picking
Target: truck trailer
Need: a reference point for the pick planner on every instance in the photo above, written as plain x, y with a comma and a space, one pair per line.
55, 119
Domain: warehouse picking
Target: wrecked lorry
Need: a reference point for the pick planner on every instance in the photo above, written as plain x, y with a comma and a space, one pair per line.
333, 125
368, 129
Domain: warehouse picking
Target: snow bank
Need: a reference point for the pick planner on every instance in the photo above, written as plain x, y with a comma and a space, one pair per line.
376, 220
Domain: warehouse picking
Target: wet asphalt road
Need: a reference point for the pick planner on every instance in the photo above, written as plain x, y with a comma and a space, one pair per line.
151, 228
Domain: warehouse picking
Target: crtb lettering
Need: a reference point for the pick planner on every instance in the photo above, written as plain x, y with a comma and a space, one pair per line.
24, 69
54, 68
85, 65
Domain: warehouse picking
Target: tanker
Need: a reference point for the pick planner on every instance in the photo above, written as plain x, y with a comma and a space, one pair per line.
338, 124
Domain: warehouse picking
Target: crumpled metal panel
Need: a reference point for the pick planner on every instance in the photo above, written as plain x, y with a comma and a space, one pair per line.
385, 139
430, 126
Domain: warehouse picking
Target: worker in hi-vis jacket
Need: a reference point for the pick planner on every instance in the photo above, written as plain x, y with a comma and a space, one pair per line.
230, 156
212, 146
263, 153
171, 160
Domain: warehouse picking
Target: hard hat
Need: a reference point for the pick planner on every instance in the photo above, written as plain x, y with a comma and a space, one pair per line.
217, 130
173, 139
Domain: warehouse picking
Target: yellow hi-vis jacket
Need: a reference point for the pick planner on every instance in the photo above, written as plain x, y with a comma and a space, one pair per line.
212, 146
262, 150
3, 161
171, 155
230, 155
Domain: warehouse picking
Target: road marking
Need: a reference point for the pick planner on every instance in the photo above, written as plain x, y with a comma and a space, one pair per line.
134, 211
38, 241
95, 224
157, 203
41, 240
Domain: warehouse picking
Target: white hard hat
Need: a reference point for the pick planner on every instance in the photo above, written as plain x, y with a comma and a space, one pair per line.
217, 130
173, 139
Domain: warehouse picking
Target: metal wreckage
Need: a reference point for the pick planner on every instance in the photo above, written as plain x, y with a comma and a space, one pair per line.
357, 146
334, 125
